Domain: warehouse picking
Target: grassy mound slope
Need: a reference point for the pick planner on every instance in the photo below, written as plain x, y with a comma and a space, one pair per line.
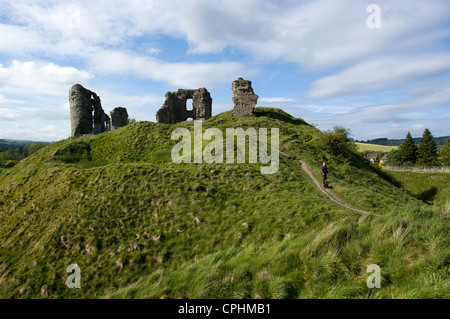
140, 225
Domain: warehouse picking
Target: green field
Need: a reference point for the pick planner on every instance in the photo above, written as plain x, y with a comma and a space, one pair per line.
364, 147
141, 226
428, 187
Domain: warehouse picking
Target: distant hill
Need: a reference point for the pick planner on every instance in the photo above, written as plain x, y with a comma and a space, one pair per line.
6, 144
440, 141
13, 151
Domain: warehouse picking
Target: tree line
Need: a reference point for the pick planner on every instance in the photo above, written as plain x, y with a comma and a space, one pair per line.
424, 154
12, 152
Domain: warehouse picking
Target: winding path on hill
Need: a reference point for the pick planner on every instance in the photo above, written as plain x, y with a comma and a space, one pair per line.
331, 196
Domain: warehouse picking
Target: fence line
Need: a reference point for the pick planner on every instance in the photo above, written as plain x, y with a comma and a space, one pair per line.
418, 169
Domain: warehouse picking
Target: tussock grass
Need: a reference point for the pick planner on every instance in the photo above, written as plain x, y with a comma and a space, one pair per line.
330, 263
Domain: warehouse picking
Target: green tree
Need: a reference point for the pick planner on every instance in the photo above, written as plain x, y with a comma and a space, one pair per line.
408, 151
445, 153
337, 142
394, 157
427, 152
33, 148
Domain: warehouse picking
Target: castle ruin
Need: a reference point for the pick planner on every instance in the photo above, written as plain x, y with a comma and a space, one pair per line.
119, 118
87, 115
175, 109
244, 99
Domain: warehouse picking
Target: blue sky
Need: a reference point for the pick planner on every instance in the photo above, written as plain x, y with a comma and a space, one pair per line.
317, 60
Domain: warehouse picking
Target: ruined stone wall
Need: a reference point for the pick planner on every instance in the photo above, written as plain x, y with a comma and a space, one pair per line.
119, 117
99, 115
81, 118
202, 103
87, 115
244, 99
174, 108
171, 111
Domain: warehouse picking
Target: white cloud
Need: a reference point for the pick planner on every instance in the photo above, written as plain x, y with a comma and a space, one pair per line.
313, 34
111, 100
416, 127
140, 107
4, 100
45, 112
116, 38
16, 39
188, 75
426, 108
36, 130
39, 78
309, 32
7, 114
379, 73
328, 109
276, 100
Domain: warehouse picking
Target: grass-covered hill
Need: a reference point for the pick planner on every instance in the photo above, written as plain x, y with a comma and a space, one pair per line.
141, 226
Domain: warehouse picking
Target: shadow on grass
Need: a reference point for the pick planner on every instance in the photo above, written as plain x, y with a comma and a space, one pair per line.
278, 115
366, 165
386, 177
77, 153
74, 152
428, 195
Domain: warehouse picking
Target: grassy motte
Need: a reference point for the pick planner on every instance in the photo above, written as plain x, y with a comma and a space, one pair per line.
140, 225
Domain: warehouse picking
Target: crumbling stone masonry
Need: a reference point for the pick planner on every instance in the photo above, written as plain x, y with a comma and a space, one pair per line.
87, 115
119, 117
80, 110
174, 109
101, 120
244, 98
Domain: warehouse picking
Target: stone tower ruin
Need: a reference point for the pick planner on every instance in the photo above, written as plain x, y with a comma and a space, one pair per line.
244, 99
87, 115
175, 110
119, 117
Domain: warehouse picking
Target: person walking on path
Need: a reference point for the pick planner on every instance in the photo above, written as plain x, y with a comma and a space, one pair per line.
324, 174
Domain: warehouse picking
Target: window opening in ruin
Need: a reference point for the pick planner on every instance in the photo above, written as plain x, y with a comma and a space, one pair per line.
189, 105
